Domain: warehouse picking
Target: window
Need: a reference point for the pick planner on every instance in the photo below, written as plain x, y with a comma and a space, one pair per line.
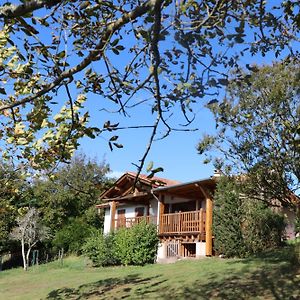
139, 211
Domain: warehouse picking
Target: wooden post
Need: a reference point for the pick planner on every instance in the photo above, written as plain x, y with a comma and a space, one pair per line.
161, 212
113, 206
201, 222
208, 221
208, 226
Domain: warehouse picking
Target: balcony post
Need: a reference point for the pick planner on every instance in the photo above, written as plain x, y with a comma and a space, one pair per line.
208, 226
113, 206
208, 221
161, 209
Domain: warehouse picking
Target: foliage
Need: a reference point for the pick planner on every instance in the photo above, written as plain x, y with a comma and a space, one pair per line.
258, 131
124, 246
127, 246
228, 218
29, 232
136, 245
100, 249
243, 225
263, 229
14, 193
146, 243
297, 224
71, 237
72, 192
172, 53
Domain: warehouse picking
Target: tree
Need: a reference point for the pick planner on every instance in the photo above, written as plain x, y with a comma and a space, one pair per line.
29, 232
72, 192
258, 131
14, 193
228, 218
243, 225
55, 54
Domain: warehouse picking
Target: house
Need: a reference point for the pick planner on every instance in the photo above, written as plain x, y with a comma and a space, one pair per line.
182, 212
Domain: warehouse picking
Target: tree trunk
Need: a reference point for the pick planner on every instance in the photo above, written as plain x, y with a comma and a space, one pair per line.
25, 266
27, 255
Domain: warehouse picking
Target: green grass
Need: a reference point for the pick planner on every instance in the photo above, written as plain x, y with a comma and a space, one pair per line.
275, 275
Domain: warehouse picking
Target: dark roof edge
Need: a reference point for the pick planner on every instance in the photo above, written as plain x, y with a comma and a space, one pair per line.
183, 184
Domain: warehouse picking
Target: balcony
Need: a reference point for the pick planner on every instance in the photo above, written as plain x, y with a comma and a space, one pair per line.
183, 222
129, 222
174, 223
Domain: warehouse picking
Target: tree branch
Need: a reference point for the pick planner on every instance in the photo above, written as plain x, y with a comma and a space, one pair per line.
12, 11
95, 54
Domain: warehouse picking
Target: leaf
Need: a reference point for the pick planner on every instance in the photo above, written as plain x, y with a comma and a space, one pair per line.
120, 47
213, 101
150, 166
2, 91
223, 81
118, 145
113, 138
115, 42
61, 54
115, 51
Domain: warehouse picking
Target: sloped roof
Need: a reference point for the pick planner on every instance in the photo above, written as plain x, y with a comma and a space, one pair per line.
123, 186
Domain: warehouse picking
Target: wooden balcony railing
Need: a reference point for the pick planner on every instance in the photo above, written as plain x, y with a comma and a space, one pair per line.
183, 222
176, 223
129, 222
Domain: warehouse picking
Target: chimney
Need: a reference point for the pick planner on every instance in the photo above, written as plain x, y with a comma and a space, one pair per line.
217, 173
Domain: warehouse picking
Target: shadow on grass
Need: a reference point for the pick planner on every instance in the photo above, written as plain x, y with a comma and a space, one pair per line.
110, 288
274, 275
280, 281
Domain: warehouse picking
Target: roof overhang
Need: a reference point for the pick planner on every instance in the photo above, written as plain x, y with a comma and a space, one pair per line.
190, 189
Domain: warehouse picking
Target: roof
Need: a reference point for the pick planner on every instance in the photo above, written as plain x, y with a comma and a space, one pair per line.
156, 181
124, 185
189, 189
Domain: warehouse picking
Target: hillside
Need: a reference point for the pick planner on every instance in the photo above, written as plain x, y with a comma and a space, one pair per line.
272, 276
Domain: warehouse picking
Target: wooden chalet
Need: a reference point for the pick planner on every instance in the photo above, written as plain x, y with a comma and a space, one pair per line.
181, 211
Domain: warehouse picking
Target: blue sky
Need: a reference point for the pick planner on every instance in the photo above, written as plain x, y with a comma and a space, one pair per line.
176, 154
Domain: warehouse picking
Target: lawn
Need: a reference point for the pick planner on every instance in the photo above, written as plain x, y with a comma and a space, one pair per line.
271, 276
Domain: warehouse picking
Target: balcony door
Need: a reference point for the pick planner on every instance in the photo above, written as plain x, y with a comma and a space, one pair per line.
121, 220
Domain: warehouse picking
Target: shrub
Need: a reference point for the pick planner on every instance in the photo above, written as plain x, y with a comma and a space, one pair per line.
136, 245
100, 249
127, 246
227, 219
263, 229
124, 246
242, 225
146, 243
72, 236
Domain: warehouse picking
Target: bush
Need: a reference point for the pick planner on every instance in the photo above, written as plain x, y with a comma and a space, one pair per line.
137, 245
127, 246
241, 225
72, 236
263, 229
227, 219
124, 246
100, 249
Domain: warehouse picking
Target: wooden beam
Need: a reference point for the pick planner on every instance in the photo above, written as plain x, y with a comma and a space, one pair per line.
208, 226
208, 221
113, 206
161, 210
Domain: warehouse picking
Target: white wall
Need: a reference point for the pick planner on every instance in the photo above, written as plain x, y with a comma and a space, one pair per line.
106, 228
200, 249
130, 210
153, 211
